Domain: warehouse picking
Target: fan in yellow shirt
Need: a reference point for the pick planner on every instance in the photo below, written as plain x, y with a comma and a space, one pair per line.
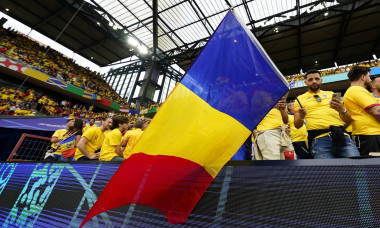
131, 138
272, 141
92, 141
90, 125
111, 149
298, 136
364, 110
324, 118
53, 153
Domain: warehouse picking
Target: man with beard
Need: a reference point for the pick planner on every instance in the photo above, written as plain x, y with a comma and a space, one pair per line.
376, 87
324, 116
364, 110
89, 145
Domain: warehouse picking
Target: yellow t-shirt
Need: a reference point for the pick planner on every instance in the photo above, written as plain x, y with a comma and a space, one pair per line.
271, 121
133, 136
95, 137
58, 134
357, 100
319, 115
297, 135
110, 142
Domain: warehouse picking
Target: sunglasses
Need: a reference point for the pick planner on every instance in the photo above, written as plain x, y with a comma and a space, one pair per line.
318, 98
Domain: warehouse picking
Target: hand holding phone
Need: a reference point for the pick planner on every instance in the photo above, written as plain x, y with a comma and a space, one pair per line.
336, 95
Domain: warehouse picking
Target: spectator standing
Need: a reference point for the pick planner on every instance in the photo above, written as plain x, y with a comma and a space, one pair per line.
298, 136
272, 139
324, 120
364, 110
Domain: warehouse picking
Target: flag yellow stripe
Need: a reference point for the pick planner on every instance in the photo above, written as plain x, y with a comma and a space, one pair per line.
36, 74
188, 127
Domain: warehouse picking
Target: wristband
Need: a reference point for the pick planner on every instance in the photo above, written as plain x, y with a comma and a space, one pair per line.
344, 112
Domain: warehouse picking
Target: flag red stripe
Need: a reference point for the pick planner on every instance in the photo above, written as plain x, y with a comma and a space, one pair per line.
170, 184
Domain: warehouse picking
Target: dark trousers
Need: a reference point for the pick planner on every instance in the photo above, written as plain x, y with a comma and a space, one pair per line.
367, 143
301, 150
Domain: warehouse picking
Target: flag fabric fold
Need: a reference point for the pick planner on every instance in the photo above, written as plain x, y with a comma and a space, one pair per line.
88, 95
57, 82
67, 146
226, 92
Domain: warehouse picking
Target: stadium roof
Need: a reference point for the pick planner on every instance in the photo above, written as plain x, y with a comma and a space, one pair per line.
295, 33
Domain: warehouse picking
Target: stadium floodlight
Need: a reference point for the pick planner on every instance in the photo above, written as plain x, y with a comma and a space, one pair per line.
374, 56
316, 61
110, 24
115, 27
132, 41
98, 23
125, 31
326, 14
7, 9
143, 50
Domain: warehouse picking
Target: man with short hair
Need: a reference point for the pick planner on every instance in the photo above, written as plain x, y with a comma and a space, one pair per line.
376, 87
111, 149
89, 145
131, 138
324, 118
90, 125
364, 110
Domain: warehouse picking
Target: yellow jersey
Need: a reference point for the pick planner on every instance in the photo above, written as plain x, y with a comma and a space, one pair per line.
297, 135
357, 101
319, 115
271, 121
133, 136
58, 134
111, 140
95, 137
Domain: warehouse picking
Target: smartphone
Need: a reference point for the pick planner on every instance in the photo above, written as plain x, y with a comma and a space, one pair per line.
337, 95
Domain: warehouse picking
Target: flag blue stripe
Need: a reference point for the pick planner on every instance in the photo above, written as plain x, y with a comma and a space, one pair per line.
234, 75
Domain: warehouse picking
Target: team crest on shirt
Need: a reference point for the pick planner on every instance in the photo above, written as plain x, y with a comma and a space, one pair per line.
324, 95
96, 137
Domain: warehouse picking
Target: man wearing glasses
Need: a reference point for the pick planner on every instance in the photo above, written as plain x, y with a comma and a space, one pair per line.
324, 117
364, 110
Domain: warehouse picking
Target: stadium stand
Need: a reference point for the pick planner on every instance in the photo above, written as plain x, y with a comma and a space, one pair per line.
45, 59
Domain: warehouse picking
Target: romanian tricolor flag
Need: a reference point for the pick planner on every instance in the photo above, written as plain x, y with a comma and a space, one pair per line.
227, 91
57, 82
67, 146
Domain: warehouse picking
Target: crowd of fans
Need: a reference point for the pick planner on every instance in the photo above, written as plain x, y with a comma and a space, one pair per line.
22, 48
31, 103
320, 124
113, 140
337, 70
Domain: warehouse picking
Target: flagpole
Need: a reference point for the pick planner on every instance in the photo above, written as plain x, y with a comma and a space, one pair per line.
290, 90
